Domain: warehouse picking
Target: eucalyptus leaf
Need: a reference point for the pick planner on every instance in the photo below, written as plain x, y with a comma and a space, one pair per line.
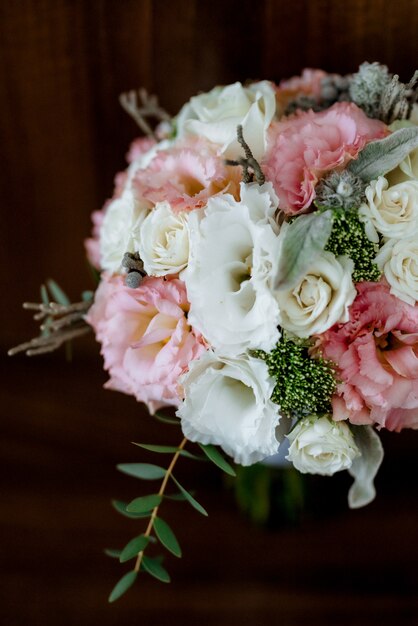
364, 467
304, 239
120, 507
166, 420
216, 457
168, 450
123, 585
383, 155
177, 497
57, 293
166, 536
154, 567
114, 554
144, 504
195, 504
132, 549
145, 471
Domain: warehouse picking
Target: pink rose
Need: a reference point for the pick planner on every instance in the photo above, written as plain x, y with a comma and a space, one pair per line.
186, 176
377, 356
146, 340
307, 145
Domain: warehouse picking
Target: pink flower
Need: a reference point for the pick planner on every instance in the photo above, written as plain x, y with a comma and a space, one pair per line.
92, 245
303, 147
377, 356
139, 147
146, 340
186, 176
308, 84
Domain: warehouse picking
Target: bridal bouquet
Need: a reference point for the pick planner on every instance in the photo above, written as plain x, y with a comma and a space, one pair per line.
259, 272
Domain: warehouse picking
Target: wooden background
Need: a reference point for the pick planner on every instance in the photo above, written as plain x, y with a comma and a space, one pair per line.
62, 65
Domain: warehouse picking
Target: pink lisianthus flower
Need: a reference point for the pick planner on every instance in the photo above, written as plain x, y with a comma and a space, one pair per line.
186, 176
376, 353
308, 84
307, 145
146, 340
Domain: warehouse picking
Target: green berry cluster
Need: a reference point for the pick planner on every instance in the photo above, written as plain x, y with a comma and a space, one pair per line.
348, 237
304, 385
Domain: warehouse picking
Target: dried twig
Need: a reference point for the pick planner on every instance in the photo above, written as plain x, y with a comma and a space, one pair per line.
250, 165
140, 105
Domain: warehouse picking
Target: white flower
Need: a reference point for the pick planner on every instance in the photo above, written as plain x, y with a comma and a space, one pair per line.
391, 211
320, 299
399, 261
216, 115
233, 254
227, 403
120, 230
321, 446
164, 241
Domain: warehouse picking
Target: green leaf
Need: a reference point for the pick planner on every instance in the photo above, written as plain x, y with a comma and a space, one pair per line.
57, 293
146, 471
166, 536
114, 554
364, 468
44, 295
136, 545
383, 155
166, 420
120, 507
154, 567
177, 497
216, 457
123, 585
167, 450
195, 504
144, 504
304, 239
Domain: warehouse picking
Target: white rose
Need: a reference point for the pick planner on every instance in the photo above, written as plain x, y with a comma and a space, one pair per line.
233, 252
320, 299
391, 211
321, 446
216, 115
120, 230
227, 403
399, 261
164, 241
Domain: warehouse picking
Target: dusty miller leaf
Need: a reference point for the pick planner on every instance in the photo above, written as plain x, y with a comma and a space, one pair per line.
304, 240
383, 155
364, 467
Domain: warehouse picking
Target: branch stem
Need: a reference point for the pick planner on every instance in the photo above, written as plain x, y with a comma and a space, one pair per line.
160, 493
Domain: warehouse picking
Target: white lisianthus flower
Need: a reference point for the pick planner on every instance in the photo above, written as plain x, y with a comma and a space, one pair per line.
399, 261
321, 446
321, 298
164, 241
216, 115
233, 255
390, 211
227, 403
120, 230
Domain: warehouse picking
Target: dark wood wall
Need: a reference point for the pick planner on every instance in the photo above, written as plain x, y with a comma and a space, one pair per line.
64, 136
64, 62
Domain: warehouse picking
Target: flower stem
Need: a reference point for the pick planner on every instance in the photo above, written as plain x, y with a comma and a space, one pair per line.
160, 493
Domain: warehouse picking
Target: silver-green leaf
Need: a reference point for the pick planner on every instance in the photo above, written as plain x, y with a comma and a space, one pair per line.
383, 155
364, 467
146, 471
304, 239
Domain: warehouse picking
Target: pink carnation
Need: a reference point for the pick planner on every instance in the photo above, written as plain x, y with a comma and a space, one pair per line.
139, 147
377, 356
92, 245
308, 84
186, 176
146, 340
303, 147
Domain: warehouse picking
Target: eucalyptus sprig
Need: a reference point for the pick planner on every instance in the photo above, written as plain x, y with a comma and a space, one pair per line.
148, 506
